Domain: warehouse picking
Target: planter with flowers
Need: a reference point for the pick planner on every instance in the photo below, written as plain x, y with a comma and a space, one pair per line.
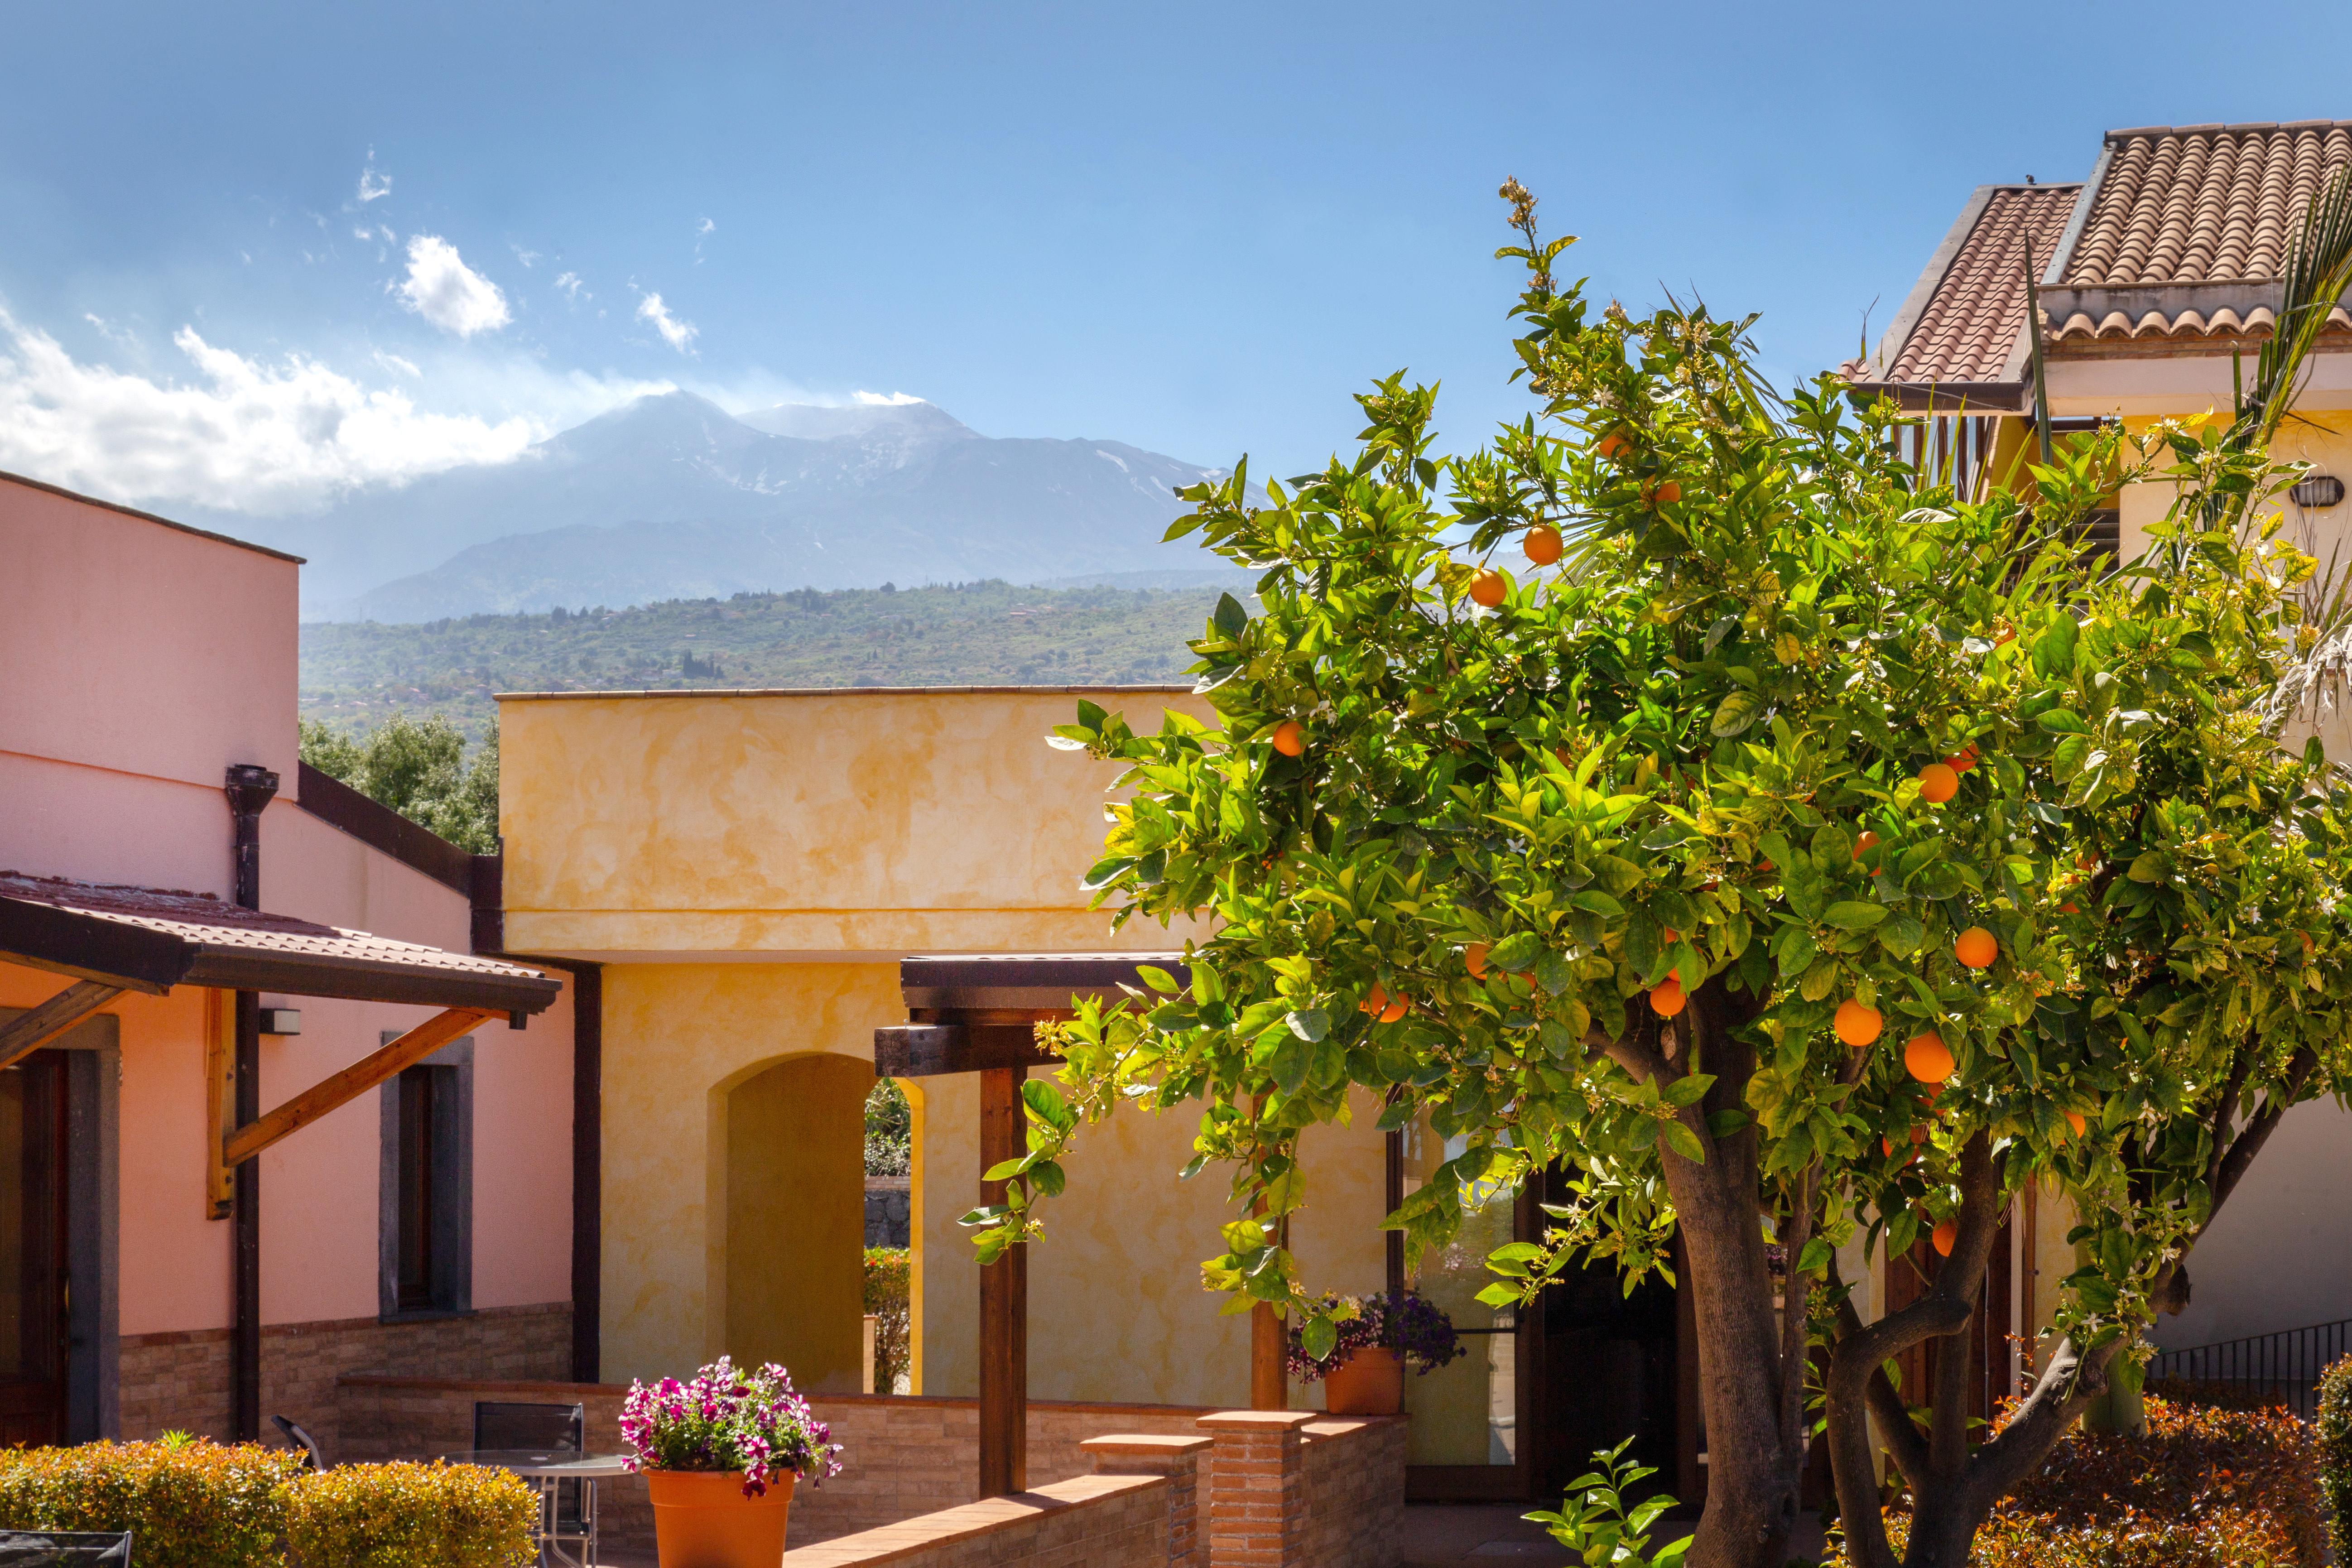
1363, 1372
719, 1456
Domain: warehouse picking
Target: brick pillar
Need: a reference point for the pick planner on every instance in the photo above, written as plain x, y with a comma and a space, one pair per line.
1179, 1459
1258, 1488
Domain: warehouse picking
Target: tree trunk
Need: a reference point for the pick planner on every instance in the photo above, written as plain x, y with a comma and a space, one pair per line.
1753, 1478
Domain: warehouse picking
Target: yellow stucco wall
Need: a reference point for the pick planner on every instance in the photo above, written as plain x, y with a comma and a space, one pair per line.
797, 1218
751, 868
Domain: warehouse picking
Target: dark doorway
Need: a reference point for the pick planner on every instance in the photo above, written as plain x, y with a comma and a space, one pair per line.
1609, 1372
33, 1250
1992, 1376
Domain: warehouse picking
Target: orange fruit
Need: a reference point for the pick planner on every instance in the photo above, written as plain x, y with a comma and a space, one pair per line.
1542, 543
1671, 934
1487, 588
1613, 444
1394, 1011
1763, 866
1288, 738
1918, 1133
1374, 1000
2069, 907
1855, 1024
2007, 634
1475, 957
1928, 1058
1942, 1237
1939, 782
2076, 1120
1964, 759
1666, 997
1865, 844
1664, 493
1976, 948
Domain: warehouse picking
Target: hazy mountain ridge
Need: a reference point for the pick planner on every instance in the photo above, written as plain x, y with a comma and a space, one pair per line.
672, 497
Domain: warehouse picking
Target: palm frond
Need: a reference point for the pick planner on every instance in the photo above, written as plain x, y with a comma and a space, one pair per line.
2318, 270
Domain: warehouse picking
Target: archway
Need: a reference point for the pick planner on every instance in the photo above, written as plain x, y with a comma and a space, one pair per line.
796, 1219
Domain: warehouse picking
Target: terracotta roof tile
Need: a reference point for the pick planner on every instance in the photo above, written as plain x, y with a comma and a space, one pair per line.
1971, 321
2203, 203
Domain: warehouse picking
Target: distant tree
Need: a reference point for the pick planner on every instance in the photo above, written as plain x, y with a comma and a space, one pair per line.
419, 770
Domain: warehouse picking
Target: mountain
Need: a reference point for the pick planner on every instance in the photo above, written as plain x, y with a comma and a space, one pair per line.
672, 497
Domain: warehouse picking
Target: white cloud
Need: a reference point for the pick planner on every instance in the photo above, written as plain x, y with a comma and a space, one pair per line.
701, 232
362, 234
886, 399
121, 337
243, 432
372, 184
529, 259
446, 293
406, 367
680, 336
573, 290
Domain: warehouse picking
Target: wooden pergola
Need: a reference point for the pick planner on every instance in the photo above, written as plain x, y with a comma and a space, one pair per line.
979, 1015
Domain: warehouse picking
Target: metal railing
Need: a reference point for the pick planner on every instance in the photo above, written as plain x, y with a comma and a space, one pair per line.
2282, 1368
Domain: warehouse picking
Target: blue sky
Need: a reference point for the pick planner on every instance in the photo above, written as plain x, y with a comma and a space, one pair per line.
256, 253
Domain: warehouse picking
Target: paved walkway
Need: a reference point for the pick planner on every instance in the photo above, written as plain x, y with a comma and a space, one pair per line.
1475, 1535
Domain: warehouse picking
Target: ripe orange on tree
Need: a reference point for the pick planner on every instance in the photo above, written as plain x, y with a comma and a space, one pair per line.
1939, 782
1486, 588
1865, 844
1945, 1235
1665, 492
1394, 1011
1964, 759
1976, 948
2077, 1120
1928, 1058
1475, 957
1542, 543
1855, 1024
1613, 442
1288, 738
1666, 997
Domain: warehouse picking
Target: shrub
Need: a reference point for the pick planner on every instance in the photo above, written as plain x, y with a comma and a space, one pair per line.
888, 1287
188, 1503
411, 1516
2204, 1488
2335, 1453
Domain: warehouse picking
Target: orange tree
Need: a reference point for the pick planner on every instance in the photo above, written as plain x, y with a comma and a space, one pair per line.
1798, 807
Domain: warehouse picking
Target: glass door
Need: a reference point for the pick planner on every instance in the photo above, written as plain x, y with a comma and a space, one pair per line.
33, 1250
1470, 1418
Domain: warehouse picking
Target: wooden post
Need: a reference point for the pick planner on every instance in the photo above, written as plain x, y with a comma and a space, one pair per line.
1269, 1379
1004, 1302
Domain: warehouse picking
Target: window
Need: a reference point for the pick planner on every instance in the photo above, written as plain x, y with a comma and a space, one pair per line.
425, 1214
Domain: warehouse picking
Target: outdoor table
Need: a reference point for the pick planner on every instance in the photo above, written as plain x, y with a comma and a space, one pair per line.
547, 1470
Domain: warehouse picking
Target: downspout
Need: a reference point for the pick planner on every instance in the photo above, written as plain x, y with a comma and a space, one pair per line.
249, 789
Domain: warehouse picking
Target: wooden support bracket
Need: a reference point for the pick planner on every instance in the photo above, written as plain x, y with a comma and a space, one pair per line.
27, 1032
351, 1083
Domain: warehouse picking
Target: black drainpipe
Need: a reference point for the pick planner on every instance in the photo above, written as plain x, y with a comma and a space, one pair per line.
249, 789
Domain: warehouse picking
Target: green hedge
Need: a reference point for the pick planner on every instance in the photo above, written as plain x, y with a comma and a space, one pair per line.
188, 1503
2336, 1455
888, 1274
411, 1516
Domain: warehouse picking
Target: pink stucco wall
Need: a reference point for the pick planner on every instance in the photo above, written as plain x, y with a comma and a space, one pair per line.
141, 662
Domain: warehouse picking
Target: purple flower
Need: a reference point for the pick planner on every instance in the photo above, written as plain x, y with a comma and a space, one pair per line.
725, 1420
1411, 1325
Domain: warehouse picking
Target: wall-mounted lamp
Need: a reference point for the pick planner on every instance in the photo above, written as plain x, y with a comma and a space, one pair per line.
2318, 490
281, 1020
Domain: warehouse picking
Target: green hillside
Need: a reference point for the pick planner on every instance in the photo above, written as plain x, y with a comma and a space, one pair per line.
355, 675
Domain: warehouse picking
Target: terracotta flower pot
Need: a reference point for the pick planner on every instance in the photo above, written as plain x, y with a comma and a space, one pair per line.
1370, 1382
702, 1519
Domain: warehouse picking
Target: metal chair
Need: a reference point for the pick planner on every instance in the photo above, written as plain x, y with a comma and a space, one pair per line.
544, 1429
65, 1549
294, 1433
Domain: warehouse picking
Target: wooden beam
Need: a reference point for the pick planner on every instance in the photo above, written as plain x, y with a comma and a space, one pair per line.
1269, 1377
351, 1082
23, 1034
929, 1050
220, 1099
1004, 1302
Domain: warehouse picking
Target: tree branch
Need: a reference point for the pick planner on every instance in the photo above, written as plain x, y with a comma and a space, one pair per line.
1961, 1279
2071, 1381
2232, 1168
2242, 1062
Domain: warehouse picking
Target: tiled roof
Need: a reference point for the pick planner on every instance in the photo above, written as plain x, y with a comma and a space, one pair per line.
2203, 203
1972, 321
2187, 324
154, 937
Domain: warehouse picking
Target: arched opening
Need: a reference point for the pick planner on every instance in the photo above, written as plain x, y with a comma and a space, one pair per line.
795, 1219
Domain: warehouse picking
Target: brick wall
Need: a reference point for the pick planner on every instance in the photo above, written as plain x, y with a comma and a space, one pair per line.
1354, 1491
180, 1381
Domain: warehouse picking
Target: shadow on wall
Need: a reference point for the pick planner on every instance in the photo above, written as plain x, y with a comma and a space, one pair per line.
795, 1206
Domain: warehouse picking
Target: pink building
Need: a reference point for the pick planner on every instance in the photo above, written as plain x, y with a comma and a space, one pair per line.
206, 948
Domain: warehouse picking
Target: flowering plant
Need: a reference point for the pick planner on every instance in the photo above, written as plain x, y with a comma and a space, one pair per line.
728, 1420
1410, 1325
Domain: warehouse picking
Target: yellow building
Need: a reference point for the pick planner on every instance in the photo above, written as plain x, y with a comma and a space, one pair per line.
749, 869
2157, 282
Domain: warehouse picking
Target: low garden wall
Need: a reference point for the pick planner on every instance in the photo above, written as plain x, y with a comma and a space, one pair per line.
1108, 1484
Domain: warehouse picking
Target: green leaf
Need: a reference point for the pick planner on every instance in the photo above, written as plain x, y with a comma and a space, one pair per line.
1737, 712
1319, 1336
1854, 915
1230, 617
1290, 1063
1159, 979
1309, 1022
1106, 872
2063, 721
1552, 973
2053, 651
1683, 1140
1515, 954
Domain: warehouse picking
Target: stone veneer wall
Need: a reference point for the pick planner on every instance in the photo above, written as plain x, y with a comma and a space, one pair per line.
908, 1455
178, 1381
